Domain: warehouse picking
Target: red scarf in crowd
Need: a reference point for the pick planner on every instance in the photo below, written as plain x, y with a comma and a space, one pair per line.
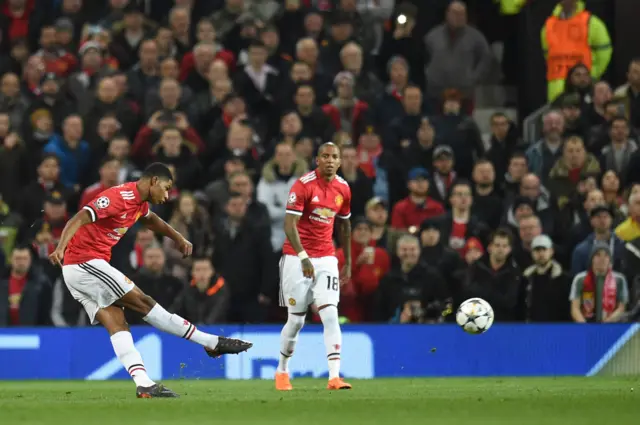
609, 295
367, 159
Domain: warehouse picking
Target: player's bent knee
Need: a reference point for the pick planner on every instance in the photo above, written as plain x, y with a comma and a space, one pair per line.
296, 321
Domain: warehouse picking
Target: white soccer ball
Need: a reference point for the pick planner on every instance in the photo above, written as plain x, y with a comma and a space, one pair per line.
475, 316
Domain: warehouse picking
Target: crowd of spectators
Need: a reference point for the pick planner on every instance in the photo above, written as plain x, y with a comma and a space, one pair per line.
236, 95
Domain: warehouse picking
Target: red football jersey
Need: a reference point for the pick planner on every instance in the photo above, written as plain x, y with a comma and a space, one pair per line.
112, 212
317, 202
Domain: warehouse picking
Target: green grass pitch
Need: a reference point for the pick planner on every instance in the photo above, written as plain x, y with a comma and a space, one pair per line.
517, 401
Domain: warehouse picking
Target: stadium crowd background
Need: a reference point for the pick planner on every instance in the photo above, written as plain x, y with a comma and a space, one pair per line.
236, 95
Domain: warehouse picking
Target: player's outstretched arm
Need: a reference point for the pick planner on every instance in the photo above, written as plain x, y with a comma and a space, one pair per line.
291, 232
158, 225
77, 221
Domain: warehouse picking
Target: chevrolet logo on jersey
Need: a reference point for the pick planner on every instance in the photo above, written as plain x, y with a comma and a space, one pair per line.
121, 230
323, 215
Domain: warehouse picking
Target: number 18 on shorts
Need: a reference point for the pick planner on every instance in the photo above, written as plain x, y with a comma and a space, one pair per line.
297, 292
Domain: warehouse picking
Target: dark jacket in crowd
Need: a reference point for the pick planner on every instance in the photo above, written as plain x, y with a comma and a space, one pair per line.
162, 287
204, 308
547, 294
35, 300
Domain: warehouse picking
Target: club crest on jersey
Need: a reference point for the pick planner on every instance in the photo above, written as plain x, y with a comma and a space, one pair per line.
101, 203
339, 201
292, 302
126, 279
292, 198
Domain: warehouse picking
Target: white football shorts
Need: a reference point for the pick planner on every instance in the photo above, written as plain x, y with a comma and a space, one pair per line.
298, 292
95, 285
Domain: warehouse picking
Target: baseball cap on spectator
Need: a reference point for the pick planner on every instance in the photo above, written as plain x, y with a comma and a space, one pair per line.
374, 202
55, 198
442, 151
429, 224
472, 243
64, 24
600, 209
418, 173
600, 246
88, 46
542, 241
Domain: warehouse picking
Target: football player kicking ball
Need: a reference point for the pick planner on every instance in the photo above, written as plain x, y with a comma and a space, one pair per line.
309, 267
84, 251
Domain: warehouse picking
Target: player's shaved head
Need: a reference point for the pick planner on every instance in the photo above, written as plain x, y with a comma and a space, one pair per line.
155, 183
327, 145
159, 170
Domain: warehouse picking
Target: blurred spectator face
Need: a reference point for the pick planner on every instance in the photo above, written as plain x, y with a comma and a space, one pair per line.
634, 204
451, 107
419, 187
529, 229
284, 157
179, 20
107, 127
633, 74
369, 141
530, 186
300, 72
48, 38
203, 56
50, 88
145, 237
17, 4
109, 172
121, 83
412, 100
20, 261
221, 88
118, 4
593, 198
119, 148
235, 107
164, 39
307, 51
349, 160
5, 123
187, 206
601, 93
571, 113
587, 185
72, 128
64, 37
149, 54
542, 256
472, 255
290, 125
92, 59
313, 24
169, 69
461, 197
239, 138
133, 21
305, 97
170, 93
234, 4
499, 127
55, 212
553, 125
574, 153
171, 142
408, 251
202, 273
522, 211
20, 52
399, 74
430, 237
257, 56
601, 222
108, 90
49, 170
351, 57
456, 15
154, 259
619, 130
206, 32
426, 133
601, 262
499, 249
341, 32
71, 6
443, 164
362, 234
377, 215
242, 184
484, 174
580, 77
345, 90
218, 70
304, 148
34, 70
10, 85
610, 182
233, 166
236, 208
348, 5
271, 39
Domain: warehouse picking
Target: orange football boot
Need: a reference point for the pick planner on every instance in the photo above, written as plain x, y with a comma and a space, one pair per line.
282, 382
338, 384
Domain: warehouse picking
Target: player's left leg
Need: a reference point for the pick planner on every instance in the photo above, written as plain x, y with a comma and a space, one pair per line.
155, 315
326, 294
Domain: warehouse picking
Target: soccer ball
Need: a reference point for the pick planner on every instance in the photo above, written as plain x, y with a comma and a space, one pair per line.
475, 316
